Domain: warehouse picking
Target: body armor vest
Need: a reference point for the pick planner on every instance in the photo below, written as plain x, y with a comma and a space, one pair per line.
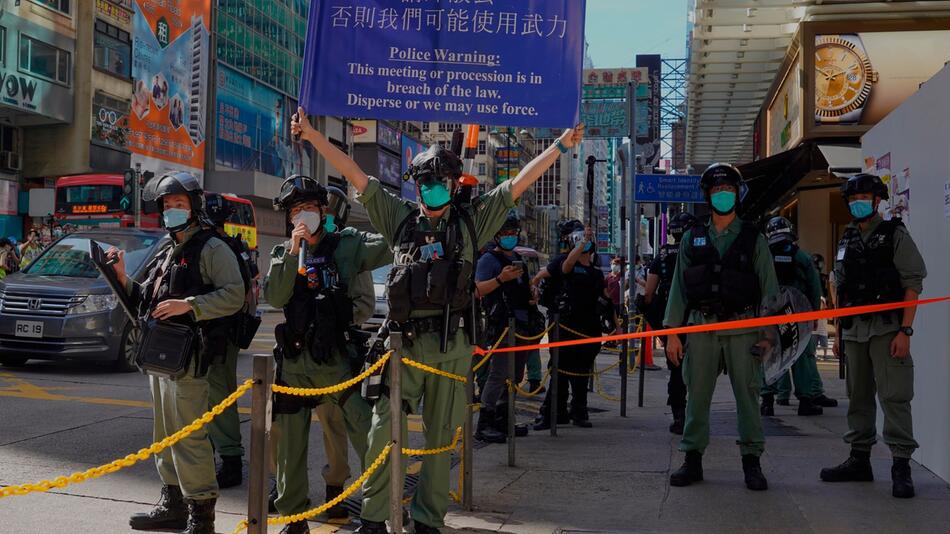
786, 268
870, 274
724, 285
667, 268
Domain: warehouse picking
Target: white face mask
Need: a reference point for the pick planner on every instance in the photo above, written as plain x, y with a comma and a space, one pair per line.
310, 218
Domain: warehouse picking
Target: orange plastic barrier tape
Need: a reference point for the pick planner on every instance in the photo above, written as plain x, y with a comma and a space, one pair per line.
732, 325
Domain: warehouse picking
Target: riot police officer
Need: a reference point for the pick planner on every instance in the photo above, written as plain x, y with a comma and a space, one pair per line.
795, 268
577, 286
313, 279
225, 429
877, 262
503, 284
659, 282
430, 291
196, 283
723, 271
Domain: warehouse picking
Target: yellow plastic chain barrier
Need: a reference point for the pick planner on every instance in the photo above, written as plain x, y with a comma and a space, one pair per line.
537, 337
342, 386
529, 394
303, 516
493, 347
595, 373
131, 459
598, 388
433, 370
572, 331
440, 450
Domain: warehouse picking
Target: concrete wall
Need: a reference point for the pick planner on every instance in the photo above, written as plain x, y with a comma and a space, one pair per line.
915, 135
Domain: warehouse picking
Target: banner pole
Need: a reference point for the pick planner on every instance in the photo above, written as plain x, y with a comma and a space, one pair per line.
263, 375
395, 430
512, 372
552, 407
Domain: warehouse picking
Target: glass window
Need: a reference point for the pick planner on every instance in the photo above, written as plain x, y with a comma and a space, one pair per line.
70, 256
44, 60
112, 50
482, 147
58, 5
482, 169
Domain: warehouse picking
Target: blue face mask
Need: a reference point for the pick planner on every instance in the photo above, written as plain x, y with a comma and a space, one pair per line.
861, 209
175, 218
435, 195
328, 225
508, 242
723, 202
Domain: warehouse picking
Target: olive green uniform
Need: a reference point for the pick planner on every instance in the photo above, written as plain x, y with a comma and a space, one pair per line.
225, 429
804, 372
708, 352
355, 252
871, 369
444, 406
176, 403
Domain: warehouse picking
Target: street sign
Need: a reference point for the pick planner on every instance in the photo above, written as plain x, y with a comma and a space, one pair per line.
668, 188
605, 92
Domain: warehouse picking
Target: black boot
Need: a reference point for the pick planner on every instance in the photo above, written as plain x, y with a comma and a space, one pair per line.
371, 527
767, 409
501, 422
485, 431
754, 479
582, 420
534, 386
169, 513
200, 516
902, 485
691, 470
857, 468
297, 527
338, 511
679, 420
231, 472
822, 400
807, 407
419, 528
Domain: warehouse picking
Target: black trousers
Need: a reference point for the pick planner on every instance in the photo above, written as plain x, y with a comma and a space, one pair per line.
577, 359
676, 388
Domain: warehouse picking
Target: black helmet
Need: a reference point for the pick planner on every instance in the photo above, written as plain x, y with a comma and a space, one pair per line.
338, 205
864, 183
175, 183
436, 163
681, 223
566, 228
218, 209
718, 174
512, 222
298, 189
780, 229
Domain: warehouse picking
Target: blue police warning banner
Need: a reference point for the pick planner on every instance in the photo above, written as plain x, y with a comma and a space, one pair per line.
474, 62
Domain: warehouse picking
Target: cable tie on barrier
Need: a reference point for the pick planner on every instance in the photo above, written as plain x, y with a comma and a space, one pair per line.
133, 458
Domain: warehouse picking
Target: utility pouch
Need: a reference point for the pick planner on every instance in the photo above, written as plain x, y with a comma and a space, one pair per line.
178, 281
290, 345
166, 349
400, 297
463, 285
418, 284
438, 280
372, 387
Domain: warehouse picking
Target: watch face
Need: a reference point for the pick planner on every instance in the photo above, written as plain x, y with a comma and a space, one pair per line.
843, 77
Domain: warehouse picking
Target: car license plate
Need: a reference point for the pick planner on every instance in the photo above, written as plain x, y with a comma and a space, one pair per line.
29, 329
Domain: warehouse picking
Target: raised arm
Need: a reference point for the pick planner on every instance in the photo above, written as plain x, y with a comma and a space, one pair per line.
533, 170
300, 125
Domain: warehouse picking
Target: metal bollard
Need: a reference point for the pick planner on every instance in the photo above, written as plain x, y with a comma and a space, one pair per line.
554, 337
395, 431
624, 358
512, 372
257, 491
468, 456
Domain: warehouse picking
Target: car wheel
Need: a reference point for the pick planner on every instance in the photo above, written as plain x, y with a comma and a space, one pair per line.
128, 348
13, 361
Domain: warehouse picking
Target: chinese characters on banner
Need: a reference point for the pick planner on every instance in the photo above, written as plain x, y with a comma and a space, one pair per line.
473, 62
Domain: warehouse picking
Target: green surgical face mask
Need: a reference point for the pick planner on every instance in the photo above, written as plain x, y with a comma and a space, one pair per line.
435, 195
723, 202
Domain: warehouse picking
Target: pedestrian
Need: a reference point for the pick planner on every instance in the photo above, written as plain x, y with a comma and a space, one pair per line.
433, 271
225, 429
315, 347
877, 262
505, 289
615, 285
30, 249
192, 284
659, 282
9, 263
579, 287
794, 268
723, 271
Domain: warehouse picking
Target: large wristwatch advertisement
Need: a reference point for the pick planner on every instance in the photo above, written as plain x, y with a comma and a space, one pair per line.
844, 79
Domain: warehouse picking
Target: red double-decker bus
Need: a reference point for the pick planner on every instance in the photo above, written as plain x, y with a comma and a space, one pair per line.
96, 200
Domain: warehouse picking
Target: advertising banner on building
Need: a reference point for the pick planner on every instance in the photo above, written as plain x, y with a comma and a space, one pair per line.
473, 62
605, 118
410, 149
253, 127
784, 114
110, 121
170, 67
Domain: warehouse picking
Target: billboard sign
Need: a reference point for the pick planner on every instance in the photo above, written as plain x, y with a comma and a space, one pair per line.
471, 63
614, 77
605, 118
363, 132
253, 129
170, 92
668, 188
784, 114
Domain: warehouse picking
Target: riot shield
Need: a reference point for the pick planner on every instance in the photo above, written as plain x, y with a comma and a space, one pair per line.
779, 346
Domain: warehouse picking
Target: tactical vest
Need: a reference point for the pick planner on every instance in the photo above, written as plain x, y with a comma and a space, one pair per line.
667, 268
870, 276
724, 285
787, 270
320, 311
429, 269
510, 296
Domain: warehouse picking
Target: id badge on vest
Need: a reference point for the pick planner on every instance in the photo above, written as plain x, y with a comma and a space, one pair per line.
431, 251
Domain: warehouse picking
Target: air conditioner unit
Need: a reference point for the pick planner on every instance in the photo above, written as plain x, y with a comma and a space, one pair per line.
12, 161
